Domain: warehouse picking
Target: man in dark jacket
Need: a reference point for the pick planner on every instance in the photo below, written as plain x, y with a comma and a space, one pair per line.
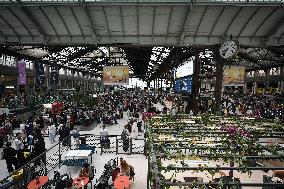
9, 154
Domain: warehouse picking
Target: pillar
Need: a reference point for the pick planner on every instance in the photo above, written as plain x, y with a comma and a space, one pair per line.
281, 89
254, 87
195, 91
219, 79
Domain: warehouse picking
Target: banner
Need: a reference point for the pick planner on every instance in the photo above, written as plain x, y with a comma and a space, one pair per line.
40, 78
22, 72
234, 76
54, 79
116, 75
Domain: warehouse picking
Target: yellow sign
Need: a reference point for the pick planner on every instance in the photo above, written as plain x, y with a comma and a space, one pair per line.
234, 75
116, 75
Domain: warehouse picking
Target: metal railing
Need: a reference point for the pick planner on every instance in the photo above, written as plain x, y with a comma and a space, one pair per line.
52, 158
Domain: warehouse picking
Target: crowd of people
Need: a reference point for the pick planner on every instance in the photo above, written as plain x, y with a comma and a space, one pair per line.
254, 106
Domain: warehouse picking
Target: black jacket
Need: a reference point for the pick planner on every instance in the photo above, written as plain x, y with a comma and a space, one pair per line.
9, 154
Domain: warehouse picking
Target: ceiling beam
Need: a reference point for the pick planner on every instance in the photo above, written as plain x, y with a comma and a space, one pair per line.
137, 21
9, 25
61, 18
2, 34
216, 21
93, 28
182, 32
169, 20
81, 52
28, 14
248, 20
263, 21
153, 24
201, 19
275, 28
22, 23
107, 23
122, 22
77, 21
233, 20
281, 36
49, 22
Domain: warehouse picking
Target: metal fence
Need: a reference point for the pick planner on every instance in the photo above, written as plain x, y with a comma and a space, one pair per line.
51, 159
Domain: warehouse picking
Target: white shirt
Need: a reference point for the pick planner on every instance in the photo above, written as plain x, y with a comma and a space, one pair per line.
22, 127
18, 144
103, 132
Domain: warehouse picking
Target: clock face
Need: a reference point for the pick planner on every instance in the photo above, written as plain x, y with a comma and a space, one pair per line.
228, 49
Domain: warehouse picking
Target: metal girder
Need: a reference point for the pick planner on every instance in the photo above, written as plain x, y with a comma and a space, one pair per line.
49, 21
275, 28
2, 34
12, 28
91, 22
64, 23
122, 22
153, 24
77, 21
137, 21
148, 2
204, 12
182, 34
169, 21
248, 20
281, 36
81, 52
22, 23
109, 33
216, 21
28, 14
234, 18
263, 21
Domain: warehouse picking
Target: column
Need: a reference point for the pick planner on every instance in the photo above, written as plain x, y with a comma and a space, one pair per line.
281, 89
47, 76
219, 79
196, 83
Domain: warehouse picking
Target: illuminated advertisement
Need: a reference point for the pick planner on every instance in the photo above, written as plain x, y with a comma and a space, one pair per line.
234, 75
116, 75
183, 85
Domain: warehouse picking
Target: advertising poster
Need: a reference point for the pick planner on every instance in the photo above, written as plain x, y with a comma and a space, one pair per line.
116, 75
54, 79
234, 76
22, 72
39, 74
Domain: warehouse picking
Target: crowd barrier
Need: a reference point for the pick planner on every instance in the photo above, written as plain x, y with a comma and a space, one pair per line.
53, 158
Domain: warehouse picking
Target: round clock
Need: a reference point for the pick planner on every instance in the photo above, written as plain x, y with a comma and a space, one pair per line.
228, 49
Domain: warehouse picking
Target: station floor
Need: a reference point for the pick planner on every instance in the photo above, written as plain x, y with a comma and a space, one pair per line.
138, 161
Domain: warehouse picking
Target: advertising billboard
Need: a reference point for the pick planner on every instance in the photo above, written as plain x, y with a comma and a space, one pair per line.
116, 75
234, 76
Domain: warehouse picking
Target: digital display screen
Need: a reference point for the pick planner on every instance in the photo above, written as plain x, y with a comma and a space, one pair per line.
183, 85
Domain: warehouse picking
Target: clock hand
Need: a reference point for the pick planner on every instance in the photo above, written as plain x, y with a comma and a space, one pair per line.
224, 51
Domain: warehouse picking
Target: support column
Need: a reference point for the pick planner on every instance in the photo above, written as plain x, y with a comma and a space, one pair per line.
219, 80
281, 89
47, 76
254, 88
195, 91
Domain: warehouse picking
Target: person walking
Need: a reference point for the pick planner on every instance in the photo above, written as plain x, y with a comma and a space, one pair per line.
76, 136
52, 133
9, 154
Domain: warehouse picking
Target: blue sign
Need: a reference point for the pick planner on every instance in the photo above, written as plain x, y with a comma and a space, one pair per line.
183, 85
